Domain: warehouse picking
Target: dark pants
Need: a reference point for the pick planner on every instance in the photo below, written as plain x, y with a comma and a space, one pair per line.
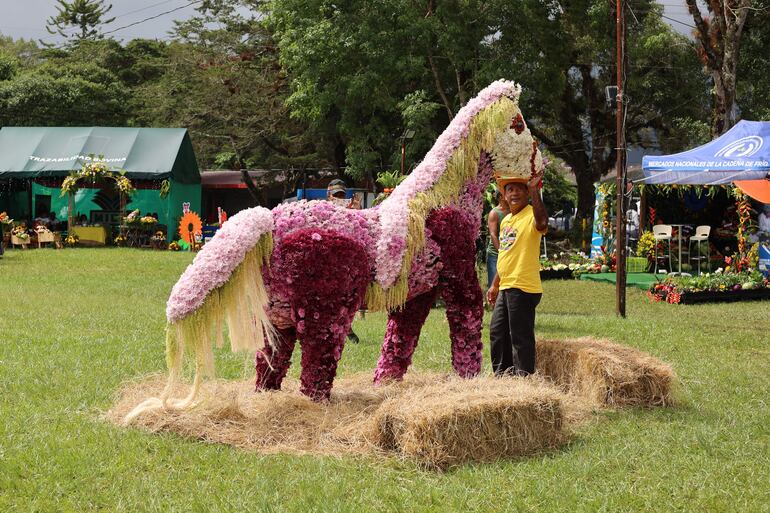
512, 332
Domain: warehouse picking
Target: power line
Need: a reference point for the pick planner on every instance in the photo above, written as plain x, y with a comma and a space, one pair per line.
677, 21
152, 17
639, 124
142, 9
139, 22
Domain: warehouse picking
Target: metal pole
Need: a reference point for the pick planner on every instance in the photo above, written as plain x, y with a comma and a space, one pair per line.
620, 153
403, 153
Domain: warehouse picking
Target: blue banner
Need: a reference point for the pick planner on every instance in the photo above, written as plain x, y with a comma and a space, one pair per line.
741, 153
764, 258
596, 237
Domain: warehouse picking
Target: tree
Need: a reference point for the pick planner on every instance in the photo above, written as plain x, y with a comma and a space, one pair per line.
355, 66
565, 61
719, 38
362, 70
221, 79
753, 86
85, 15
63, 91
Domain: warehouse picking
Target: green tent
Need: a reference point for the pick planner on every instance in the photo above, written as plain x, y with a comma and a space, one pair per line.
40, 157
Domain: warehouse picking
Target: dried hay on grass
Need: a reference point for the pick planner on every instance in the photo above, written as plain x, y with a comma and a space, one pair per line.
606, 373
436, 419
454, 419
482, 419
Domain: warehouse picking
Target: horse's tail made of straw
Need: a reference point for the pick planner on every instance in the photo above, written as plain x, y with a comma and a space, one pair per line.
222, 286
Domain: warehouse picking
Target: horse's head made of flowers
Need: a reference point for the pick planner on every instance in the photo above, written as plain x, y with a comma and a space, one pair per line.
515, 155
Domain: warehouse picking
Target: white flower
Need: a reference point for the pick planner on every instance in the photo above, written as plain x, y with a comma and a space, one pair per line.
512, 154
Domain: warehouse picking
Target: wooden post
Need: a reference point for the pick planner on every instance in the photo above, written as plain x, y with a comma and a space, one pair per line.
70, 209
620, 153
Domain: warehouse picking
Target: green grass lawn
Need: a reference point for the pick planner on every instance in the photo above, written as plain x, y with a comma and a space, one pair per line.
75, 324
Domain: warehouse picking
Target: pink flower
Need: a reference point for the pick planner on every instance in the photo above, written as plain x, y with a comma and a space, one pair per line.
214, 264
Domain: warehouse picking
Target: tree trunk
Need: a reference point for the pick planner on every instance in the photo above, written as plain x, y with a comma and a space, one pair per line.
585, 195
719, 36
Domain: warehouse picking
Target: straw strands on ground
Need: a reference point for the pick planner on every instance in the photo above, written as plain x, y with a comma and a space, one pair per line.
437, 420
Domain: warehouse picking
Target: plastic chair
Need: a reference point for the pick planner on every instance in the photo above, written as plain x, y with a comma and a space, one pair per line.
662, 232
701, 235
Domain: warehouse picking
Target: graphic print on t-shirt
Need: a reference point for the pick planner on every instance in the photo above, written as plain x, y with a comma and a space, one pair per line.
507, 237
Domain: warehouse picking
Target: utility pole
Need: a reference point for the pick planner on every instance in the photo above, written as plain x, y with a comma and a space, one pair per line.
620, 179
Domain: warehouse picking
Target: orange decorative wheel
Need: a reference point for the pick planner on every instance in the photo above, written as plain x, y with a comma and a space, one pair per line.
189, 225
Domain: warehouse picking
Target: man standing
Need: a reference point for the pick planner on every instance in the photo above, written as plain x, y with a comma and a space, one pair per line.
516, 289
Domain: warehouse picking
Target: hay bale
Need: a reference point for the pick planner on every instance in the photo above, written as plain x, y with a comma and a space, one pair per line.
230, 412
482, 419
606, 373
438, 419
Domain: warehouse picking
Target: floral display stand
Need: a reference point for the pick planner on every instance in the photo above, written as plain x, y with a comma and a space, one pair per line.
17, 240
691, 298
712, 288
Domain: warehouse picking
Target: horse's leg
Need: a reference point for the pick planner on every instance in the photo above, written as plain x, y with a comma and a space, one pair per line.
322, 338
328, 273
460, 289
465, 311
273, 362
401, 337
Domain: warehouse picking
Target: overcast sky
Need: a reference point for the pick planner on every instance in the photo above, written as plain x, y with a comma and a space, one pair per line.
27, 18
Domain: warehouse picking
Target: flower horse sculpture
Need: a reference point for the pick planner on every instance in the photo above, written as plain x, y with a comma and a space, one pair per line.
302, 270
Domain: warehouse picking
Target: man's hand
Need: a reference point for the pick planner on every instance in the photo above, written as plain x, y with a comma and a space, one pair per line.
355, 202
535, 183
492, 293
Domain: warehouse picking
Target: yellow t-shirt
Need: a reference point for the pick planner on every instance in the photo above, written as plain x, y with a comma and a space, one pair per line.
518, 260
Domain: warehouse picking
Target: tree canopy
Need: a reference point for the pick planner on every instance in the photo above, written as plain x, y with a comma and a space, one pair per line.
304, 84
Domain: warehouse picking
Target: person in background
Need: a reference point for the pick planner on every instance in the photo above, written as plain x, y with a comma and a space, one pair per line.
494, 219
53, 223
516, 289
336, 192
40, 220
763, 221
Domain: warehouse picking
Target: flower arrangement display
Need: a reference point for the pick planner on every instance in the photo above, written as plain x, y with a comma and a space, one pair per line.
438, 179
645, 246
94, 171
5, 219
133, 218
72, 240
124, 185
303, 269
513, 155
717, 286
565, 265
148, 221
173, 246
390, 180
607, 190
20, 232
120, 241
